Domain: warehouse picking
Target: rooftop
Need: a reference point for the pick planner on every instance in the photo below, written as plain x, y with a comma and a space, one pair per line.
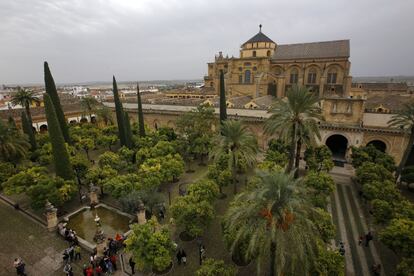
323, 49
259, 37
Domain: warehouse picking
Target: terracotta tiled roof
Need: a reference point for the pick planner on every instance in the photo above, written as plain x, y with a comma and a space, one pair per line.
383, 86
392, 103
324, 49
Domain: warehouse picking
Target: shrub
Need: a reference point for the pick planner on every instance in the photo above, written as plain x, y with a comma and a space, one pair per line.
150, 245
213, 267
382, 210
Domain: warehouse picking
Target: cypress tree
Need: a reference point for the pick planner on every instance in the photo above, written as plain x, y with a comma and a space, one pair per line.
28, 129
223, 107
61, 159
120, 119
128, 132
141, 126
54, 97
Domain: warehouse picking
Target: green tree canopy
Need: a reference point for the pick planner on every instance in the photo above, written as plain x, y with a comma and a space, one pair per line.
295, 120
371, 154
213, 267
399, 236
13, 145
319, 158
150, 245
193, 215
61, 161
272, 215
238, 144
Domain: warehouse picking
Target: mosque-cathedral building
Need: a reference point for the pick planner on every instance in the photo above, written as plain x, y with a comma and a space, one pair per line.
354, 114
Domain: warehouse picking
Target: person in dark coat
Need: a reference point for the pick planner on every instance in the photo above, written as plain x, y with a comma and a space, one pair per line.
132, 265
179, 257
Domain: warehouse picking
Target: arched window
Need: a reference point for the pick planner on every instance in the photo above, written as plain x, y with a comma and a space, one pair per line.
312, 76
332, 74
268, 53
254, 53
294, 76
247, 76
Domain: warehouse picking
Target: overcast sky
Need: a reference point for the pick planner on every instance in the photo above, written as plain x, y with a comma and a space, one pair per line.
90, 40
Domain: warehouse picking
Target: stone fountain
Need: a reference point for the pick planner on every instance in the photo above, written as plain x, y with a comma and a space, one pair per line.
99, 237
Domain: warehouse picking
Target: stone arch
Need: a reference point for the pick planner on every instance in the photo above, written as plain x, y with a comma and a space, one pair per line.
171, 124
313, 68
156, 124
93, 119
83, 120
338, 144
277, 70
43, 128
378, 144
72, 122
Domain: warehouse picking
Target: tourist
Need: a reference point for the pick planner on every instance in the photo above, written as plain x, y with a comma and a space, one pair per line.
89, 271
19, 265
179, 257
102, 264
203, 252
68, 270
376, 269
77, 251
109, 265
183, 257
98, 270
71, 252
92, 259
132, 265
113, 261
368, 238
342, 249
65, 256
84, 270
360, 240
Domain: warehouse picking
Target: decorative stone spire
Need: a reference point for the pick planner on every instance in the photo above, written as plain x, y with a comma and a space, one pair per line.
260, 28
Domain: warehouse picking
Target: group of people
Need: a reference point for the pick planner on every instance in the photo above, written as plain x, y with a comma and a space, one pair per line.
181, 257
365, 239
73, 252
67, 233
107, 264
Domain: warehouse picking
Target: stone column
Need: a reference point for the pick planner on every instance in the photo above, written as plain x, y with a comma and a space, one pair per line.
141, 214
51, 216
100, 237
321, 86
280, 87
347, 86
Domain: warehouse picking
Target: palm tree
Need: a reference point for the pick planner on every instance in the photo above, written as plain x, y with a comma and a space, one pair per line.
13, 145
105, 115
235, 142
295, 118
404, 119
271, 216
89, 104
25, 98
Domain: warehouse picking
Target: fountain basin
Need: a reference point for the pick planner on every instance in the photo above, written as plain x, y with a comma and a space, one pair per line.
112, 220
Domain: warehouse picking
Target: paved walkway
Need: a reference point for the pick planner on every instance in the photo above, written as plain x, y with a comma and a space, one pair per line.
41, 250
351, 223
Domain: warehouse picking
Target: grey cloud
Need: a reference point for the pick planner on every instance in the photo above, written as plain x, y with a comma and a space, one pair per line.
155, 39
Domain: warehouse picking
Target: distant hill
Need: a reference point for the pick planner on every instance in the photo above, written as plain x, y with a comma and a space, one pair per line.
408, 79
